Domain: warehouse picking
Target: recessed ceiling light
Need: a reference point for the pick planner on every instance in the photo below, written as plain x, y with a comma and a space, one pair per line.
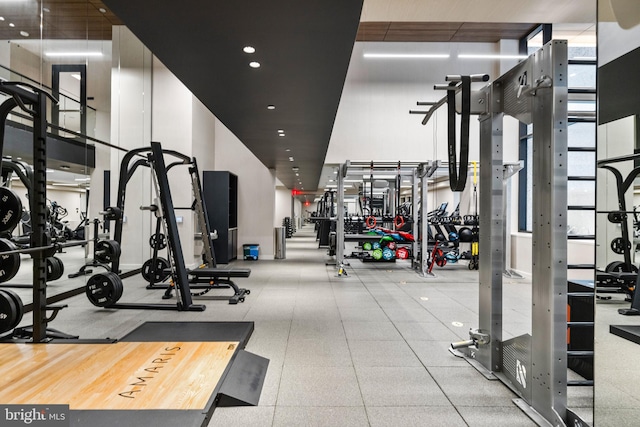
102, 10
249, 49
1, 18
254, 64
11, 24
291, 159
271, 107
287, 149
24, 34
297, 174
281, 134
46, 9
280, 130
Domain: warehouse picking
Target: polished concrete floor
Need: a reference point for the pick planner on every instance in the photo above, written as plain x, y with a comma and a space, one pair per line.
369, 348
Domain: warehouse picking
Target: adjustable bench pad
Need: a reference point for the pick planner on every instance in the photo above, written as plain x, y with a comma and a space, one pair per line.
220, 272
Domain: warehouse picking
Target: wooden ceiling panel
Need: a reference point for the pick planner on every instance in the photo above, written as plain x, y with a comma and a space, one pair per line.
441, 31
423, 26
419, 36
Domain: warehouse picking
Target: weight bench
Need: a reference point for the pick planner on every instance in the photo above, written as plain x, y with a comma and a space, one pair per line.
216, 278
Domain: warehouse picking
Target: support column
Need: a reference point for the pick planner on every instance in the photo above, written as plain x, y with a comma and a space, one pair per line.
491, 231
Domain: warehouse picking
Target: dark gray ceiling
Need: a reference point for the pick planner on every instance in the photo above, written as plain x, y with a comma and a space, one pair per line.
304, 48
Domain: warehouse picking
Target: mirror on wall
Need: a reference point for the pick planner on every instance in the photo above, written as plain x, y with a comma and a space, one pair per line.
65, 49
617, 328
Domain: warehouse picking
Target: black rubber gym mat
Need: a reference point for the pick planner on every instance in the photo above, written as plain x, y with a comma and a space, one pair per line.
628, 332
191, 331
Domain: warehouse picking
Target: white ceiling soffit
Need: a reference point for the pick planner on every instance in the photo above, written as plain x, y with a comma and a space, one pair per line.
544, 11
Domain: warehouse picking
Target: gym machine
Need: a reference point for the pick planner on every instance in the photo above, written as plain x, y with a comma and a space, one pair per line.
621, 276
105, 289
208, 276
33, 101
533, 365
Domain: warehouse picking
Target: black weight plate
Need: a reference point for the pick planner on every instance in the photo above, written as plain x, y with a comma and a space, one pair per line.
10, 209
616, 217
158, 241
8, 312
107, 251
620, 267
9, 263
153, 270
104, 289
55, 268
19, 306
619, 245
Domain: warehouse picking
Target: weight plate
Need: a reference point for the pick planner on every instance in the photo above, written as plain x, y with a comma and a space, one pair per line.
376, 245
158, 241
377, 254
9, 263
55, 268
19, 306
616, 217
620, 267
391, 245
107, 251
104, 289
619, 245
10, 210
8, 312
153, 270
402, 253
366, 246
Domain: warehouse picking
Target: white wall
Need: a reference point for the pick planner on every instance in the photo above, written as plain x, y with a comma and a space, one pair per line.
373, 120
131, 83
256, 187
282, 205
172, 125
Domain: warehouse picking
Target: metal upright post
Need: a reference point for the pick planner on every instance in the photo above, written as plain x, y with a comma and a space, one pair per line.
342, 171
38, 205
549, 241
491, 230
414, 212
173, 237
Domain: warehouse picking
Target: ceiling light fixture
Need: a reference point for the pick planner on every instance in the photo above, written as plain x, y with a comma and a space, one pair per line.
490, 56
24, 34
102, 10
291, 159
11, 24
72, 54
271, 107
287, 149
254, 64
281, 134
249, 49
406, 55
280, 130
1, 18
